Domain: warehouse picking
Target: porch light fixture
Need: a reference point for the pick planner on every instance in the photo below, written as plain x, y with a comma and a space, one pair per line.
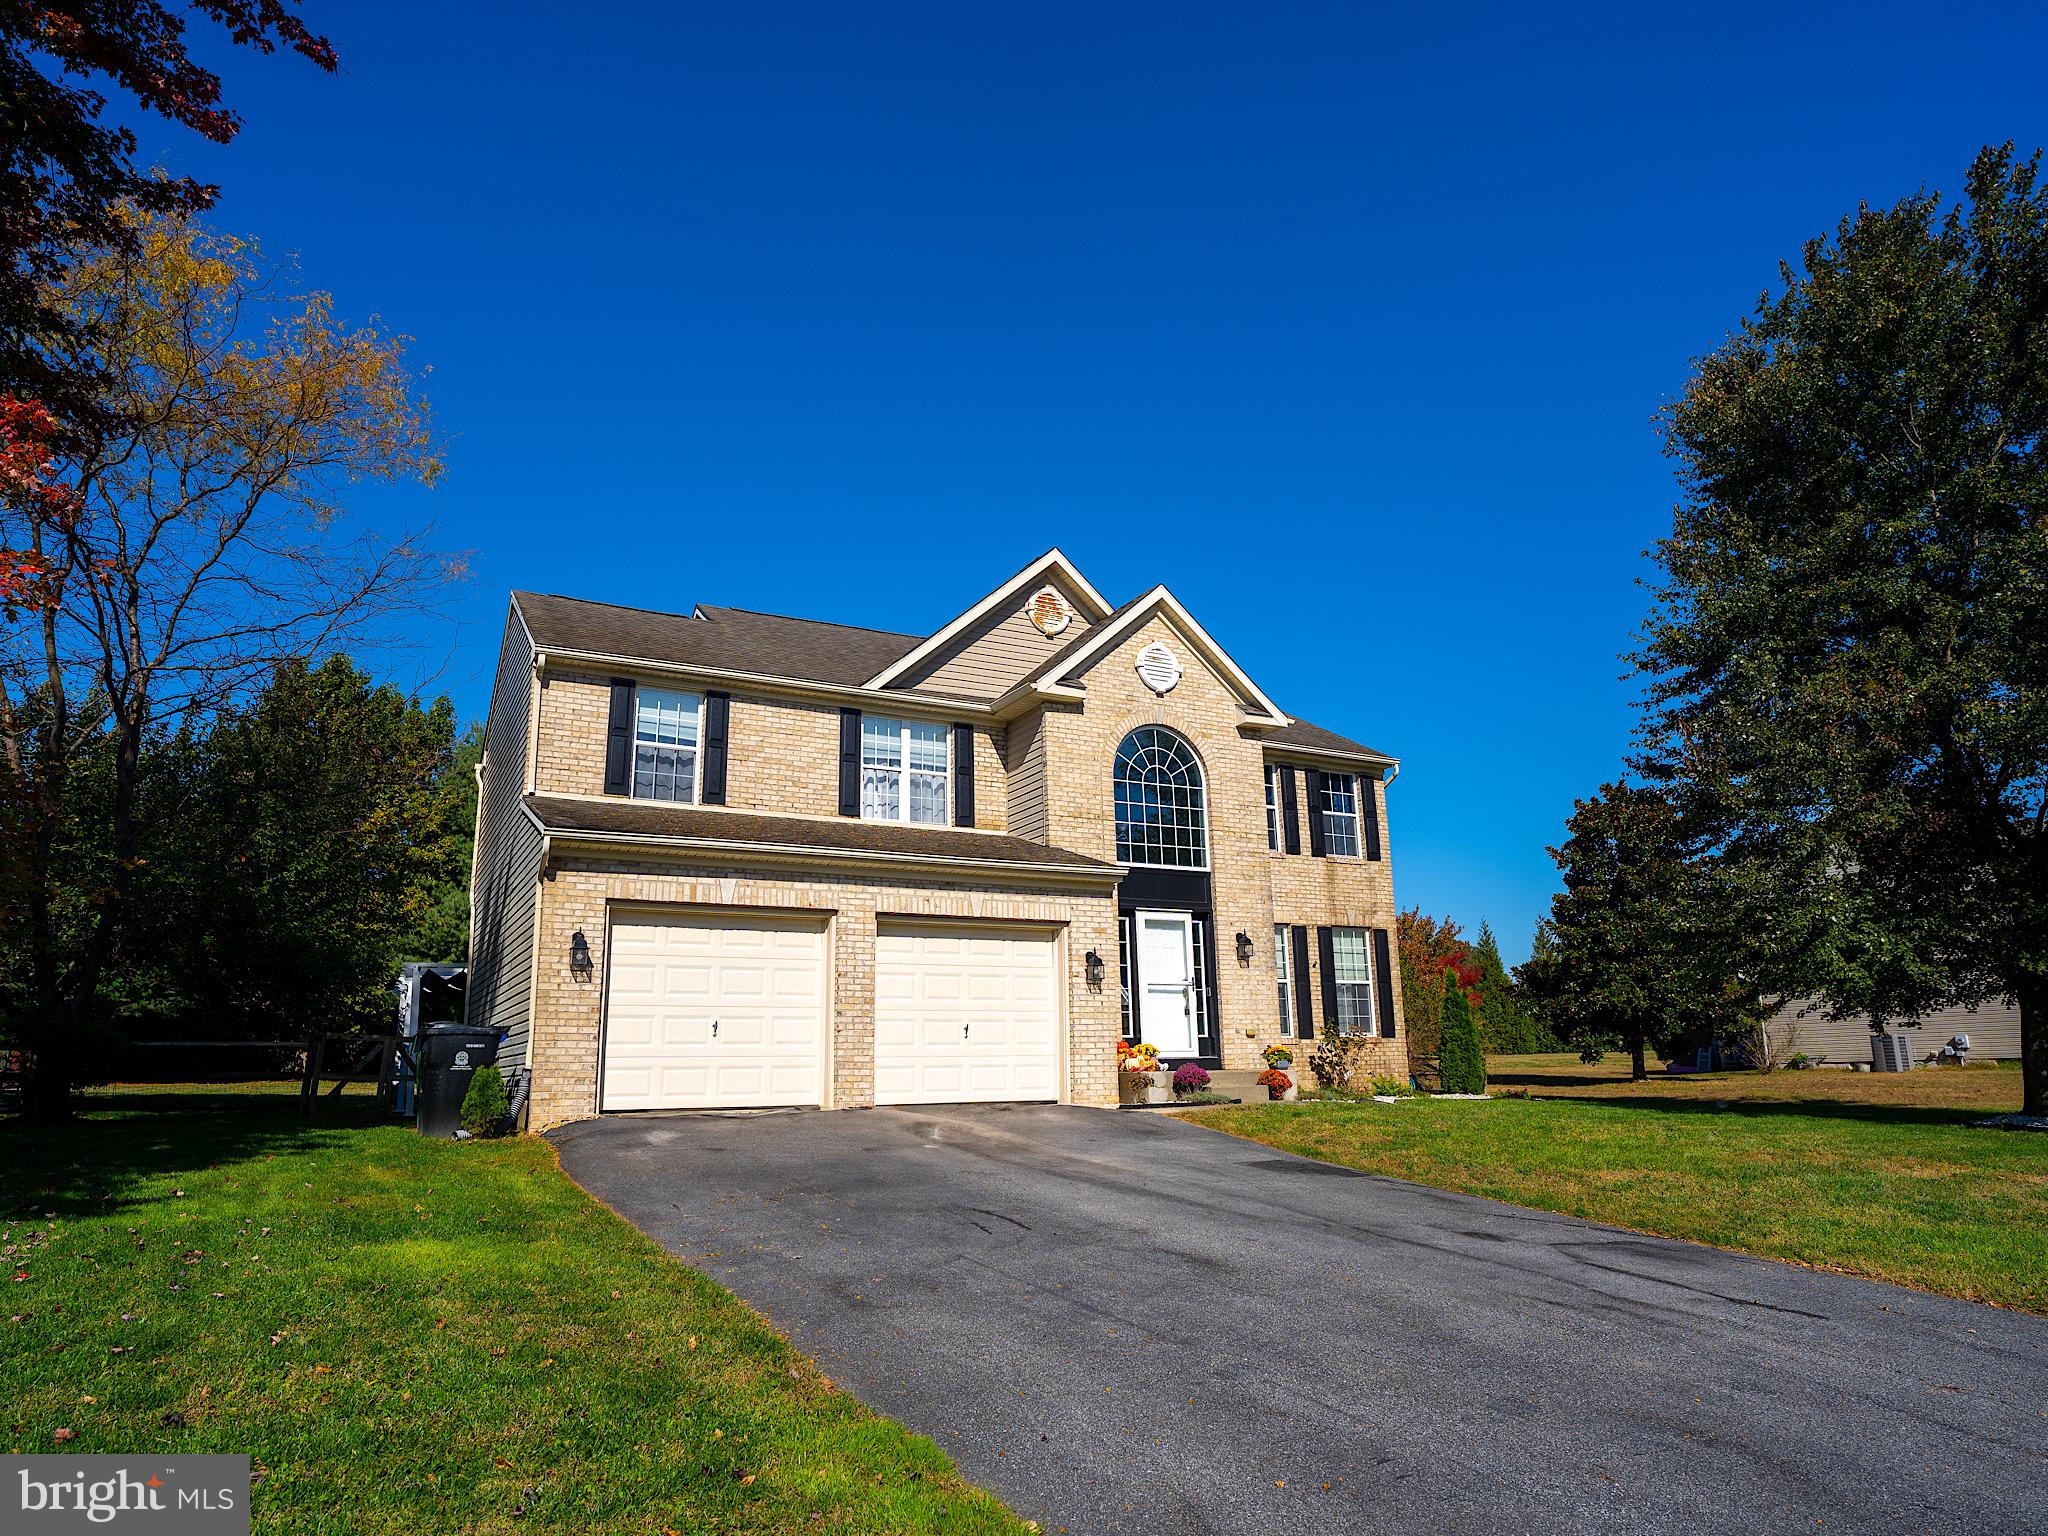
580, 965
1094, 971
1244, 947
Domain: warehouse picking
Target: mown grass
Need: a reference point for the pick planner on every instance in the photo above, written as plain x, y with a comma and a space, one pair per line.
1874, 1175
414, 1336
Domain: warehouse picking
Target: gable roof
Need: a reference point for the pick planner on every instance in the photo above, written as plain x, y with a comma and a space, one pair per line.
1048, 682
1052, 562
717, 639
738, 832
773, 645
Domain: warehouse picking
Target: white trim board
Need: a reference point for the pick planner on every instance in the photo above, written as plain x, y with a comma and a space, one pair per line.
1047, 681
1049, 563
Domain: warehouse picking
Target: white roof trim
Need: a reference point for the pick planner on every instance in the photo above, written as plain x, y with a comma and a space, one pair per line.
1046, 682
1052, 561
1288, 752
812, 854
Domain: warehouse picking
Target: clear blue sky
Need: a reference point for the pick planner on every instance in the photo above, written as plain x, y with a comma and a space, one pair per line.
1348, 325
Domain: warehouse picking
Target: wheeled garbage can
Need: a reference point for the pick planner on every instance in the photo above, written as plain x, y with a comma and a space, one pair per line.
449, 1055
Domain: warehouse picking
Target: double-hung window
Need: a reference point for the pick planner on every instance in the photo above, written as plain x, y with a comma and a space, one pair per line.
1283, 961
1339, 811
1351, 952
1272, 807
905, 771
667, 728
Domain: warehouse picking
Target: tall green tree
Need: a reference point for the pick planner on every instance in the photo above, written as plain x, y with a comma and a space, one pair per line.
1461, 1064
1847, 659
1506, 1025
1636, 951
316, 835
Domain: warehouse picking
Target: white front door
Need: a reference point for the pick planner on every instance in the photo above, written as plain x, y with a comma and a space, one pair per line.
965, 1013
1166, 981
713, 1011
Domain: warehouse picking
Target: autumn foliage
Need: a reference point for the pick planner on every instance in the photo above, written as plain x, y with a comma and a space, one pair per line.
66, 173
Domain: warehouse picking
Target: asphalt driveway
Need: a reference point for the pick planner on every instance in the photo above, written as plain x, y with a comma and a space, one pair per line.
1120, 1322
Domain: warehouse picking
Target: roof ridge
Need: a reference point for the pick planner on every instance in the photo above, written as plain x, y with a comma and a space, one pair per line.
758, 613
797, 618
598, 602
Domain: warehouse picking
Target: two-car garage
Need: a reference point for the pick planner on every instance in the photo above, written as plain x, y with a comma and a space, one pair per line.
729, 1010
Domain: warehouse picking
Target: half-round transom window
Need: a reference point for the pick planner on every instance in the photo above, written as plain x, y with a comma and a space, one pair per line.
1159, 813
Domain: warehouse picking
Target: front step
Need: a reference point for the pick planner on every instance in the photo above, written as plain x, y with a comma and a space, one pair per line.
1239, 1083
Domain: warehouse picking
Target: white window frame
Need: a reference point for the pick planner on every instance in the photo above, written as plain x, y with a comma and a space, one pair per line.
1201, 807
1334, 818
1283, 964
903, 770
1272, 808
1367, 1027
694, 711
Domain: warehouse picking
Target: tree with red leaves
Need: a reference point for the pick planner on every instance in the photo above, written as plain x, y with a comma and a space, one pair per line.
65, 173
1430, 950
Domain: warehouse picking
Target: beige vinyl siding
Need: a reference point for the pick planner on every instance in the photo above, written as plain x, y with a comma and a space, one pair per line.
1994, 1032
503, 897
1024, 763
997, 654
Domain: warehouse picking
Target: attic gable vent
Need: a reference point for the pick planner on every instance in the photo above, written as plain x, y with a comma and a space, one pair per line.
1158, 668
1049, 610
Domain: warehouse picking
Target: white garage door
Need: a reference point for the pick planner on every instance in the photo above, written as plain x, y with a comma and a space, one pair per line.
713, 1011
965, 1015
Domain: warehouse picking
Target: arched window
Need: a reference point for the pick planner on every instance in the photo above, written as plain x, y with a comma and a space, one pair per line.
1159, 812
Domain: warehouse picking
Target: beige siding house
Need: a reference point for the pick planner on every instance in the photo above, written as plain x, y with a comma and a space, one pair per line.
729, 859
1804, 1029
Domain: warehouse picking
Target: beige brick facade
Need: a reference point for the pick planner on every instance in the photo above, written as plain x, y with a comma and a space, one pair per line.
1252, 887
783, 755
1043, 771
580, 893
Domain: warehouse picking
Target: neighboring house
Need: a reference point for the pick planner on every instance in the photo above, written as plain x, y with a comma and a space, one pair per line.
1803, 1028
734, 859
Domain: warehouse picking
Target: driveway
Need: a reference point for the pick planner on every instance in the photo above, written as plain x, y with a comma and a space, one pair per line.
1120, 1322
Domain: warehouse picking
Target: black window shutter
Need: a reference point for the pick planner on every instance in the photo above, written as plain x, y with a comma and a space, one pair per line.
1383, 980
1304, 1010
1326, 942
618, 741
1290, 827
717, 722
963, 775
849, 762
1317, 844
1369, 813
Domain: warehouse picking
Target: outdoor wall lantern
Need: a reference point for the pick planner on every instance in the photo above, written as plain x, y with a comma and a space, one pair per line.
1094, 971
1244, 947
579, 956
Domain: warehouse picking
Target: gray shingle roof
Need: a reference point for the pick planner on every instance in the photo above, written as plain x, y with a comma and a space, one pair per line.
646, 818
1313, 738
773, 645
724, 639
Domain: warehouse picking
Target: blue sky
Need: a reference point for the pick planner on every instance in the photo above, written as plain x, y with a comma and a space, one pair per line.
1348, 325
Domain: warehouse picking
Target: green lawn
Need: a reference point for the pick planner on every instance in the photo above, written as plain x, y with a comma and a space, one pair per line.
414, 1336
1875, 1175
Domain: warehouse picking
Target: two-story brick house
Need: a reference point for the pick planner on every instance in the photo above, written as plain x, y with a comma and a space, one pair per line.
734, 859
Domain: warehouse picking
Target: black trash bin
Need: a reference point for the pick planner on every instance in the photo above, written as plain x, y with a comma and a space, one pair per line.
449, 1056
